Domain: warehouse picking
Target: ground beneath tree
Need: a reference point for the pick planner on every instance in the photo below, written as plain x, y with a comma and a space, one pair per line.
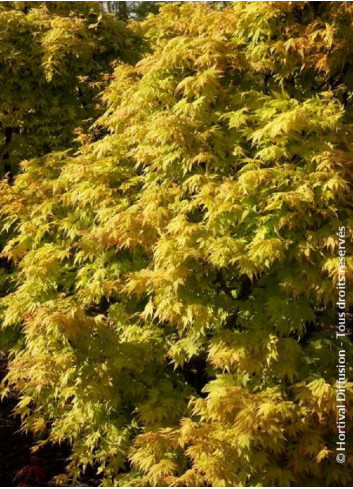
18, 466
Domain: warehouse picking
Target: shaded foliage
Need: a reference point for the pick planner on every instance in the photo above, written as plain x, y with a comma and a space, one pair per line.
53, 56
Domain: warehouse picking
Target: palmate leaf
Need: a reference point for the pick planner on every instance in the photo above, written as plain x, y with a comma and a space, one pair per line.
175, 278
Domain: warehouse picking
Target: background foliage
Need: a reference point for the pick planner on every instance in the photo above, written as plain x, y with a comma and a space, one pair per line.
131, 10
175, 279
52, 55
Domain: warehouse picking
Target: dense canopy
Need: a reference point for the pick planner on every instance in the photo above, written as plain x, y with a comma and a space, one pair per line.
52, 58
175, 280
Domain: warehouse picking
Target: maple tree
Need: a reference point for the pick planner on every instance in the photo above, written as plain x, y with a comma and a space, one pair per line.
53, 56
176, 279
